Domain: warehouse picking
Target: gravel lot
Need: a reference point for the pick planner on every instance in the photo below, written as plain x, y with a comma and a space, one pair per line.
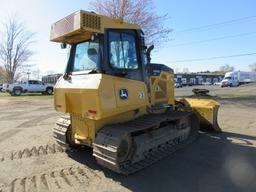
30, 160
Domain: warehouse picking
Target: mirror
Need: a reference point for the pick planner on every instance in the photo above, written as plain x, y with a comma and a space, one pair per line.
63, 45
92, 37
67, 76
149, 49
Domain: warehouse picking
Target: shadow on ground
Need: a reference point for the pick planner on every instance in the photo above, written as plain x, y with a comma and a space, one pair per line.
212, 163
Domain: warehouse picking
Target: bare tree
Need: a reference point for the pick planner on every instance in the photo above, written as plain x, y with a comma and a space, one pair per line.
226, 68
15, 45
2, 74
140, 12
253, 67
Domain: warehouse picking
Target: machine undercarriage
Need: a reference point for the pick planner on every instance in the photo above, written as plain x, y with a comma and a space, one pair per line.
130, 146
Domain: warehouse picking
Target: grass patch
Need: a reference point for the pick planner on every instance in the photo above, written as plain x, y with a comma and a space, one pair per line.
25, 96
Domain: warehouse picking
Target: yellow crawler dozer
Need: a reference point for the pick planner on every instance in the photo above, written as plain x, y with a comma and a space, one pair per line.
128, 115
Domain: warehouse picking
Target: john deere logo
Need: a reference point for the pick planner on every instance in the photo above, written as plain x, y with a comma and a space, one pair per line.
123, 93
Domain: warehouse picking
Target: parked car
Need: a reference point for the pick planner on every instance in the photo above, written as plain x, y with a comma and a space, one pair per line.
187, 84
178, 84
206, 83
217, 83
4, 87
31, 86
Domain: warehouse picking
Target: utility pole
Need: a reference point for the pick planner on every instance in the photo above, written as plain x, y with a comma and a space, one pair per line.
27, 70
28, 73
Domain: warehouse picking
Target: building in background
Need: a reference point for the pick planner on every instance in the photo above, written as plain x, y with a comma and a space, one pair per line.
184, 78
198, 78
51, 78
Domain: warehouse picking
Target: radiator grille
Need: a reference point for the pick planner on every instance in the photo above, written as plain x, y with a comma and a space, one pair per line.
91, 21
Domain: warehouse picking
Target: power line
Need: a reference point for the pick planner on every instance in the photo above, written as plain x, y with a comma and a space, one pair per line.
217, 24
213, 58
214, 39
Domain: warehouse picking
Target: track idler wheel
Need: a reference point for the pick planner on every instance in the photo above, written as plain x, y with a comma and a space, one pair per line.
124, 150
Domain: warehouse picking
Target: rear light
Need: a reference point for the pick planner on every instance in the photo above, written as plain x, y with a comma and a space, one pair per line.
92, 111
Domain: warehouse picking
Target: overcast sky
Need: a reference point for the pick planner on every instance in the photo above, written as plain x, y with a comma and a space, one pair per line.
189, 39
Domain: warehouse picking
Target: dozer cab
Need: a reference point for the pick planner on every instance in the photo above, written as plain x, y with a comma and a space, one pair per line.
115, 105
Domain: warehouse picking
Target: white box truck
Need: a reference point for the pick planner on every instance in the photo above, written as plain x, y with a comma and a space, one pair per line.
236, 78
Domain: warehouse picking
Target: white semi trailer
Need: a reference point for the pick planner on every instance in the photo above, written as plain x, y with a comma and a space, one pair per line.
236, 78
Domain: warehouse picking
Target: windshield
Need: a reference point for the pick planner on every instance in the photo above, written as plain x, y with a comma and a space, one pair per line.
227, 78
86, 56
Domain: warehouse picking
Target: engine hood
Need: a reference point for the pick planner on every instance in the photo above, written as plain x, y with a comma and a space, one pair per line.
98, 96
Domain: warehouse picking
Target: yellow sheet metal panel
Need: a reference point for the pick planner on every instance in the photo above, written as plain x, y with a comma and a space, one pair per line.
171, 90
107, 94
134, 91
80, 129
84, 129
81, 102
60, 100
206, 110
208, 117
75, 101
110, 90
101, 97
162, 89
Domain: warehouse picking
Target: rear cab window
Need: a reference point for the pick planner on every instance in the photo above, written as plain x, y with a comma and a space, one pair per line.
122, 50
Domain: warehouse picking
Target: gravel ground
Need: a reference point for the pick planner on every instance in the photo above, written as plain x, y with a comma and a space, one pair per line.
243, 90
30, 160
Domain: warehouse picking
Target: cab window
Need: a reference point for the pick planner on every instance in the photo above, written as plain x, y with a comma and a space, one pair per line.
122, 50
86, 56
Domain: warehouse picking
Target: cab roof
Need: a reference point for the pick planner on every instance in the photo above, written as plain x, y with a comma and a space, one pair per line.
80, 25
